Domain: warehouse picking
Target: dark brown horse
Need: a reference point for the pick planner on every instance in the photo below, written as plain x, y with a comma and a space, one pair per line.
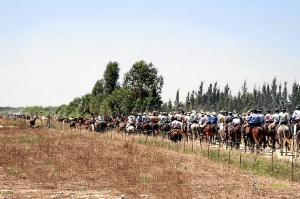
165, 128
176, 135
155, 128
236, 136
147, 127
32, 122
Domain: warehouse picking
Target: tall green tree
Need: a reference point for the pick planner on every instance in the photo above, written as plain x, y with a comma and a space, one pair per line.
187, 102
177, 101
145, 83
111, 76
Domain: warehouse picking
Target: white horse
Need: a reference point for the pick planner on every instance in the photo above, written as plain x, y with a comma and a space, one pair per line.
283, 135
195, 130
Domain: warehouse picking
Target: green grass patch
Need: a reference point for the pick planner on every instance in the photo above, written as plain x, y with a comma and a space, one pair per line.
48, 162
6, 192
146, 177
28, 139
14, 172
257, 164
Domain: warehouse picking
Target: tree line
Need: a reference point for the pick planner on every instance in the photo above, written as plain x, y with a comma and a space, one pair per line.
142, 88
140, 92
266, 97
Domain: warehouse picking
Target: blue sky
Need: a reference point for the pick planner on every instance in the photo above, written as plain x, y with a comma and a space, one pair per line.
54, 51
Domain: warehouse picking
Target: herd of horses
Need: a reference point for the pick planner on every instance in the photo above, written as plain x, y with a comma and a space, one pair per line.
254, 138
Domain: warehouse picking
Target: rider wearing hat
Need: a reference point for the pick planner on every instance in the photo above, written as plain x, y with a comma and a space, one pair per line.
296, 119
254, 120
236, 120
221, 117
268, 117
229, 118
283, 116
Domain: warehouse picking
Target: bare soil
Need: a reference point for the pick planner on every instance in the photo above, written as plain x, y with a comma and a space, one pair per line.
45, 163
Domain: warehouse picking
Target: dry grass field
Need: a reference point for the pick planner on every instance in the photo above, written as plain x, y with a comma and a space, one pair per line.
47, 163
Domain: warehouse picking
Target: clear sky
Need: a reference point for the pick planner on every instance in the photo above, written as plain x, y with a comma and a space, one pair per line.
52, 51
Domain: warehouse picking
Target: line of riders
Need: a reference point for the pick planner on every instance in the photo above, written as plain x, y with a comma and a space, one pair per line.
229, 128
256, 129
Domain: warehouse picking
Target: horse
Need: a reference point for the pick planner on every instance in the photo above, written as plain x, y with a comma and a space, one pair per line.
84, 122
209, 131
32, 122
147, 127
270, 136
228, 131
195, 130
185, 130
176, 135
253, 136
130, 129
297, 136
155, 128
165, 128
100, 126
139, 127
283, 135
236, 136
222, 134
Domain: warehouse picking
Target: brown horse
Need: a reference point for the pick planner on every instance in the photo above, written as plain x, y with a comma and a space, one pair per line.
209, 131
155, 128
176, 135
147, 127
270, 136
236, 136
254, 137
165, 128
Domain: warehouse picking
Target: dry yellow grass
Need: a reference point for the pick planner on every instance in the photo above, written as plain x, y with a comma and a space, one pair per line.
45, 163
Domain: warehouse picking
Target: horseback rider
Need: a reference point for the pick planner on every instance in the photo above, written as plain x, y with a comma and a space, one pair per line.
176, 123
275, 118
254, 120
268, 117
163, 117
236, 120
208, 118
221, 117
193, 119
228, 120
261, 115
131, 121
146, 118
214, 120
283, 117
139, 118
139, 121
154, 118
296, 119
